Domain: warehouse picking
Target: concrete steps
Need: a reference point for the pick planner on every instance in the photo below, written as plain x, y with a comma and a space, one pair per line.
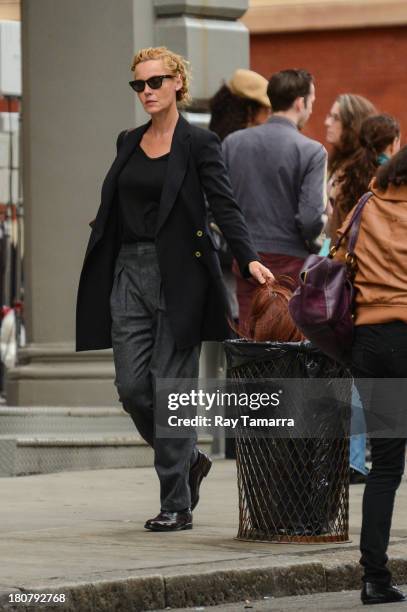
41, 440
25, 455
55, 375
63, 420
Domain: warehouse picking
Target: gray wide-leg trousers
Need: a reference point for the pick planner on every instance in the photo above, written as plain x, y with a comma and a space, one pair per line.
144, 349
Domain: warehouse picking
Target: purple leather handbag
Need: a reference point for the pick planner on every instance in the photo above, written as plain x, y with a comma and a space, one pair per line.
322, 304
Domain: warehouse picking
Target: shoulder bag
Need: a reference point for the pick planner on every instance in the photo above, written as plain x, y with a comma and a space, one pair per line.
322, 304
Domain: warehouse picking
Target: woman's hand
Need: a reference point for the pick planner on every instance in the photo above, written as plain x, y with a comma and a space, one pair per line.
260, 273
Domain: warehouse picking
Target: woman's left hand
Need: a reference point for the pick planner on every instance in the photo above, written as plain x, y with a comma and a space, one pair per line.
260, 273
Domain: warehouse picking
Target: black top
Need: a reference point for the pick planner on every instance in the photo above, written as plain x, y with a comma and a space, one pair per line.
140, 184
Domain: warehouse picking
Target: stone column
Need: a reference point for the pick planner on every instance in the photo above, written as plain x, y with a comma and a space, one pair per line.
76, 60
76, 99
208, 34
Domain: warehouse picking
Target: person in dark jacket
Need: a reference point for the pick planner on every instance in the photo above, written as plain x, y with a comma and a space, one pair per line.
151, 283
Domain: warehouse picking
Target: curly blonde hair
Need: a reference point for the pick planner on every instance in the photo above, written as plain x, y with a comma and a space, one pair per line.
175, 63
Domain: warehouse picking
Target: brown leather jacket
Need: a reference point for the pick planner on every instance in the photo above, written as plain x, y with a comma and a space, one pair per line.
381, 251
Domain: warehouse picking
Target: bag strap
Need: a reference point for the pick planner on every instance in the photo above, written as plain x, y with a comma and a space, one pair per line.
354, 232
354, 225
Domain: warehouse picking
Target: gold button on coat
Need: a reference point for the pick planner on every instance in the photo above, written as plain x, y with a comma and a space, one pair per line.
199, 233
198, 253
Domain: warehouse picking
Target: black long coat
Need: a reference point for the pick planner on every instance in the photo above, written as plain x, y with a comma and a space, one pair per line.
191, 274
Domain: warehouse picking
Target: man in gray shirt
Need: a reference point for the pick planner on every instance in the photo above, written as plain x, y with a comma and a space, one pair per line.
279, 180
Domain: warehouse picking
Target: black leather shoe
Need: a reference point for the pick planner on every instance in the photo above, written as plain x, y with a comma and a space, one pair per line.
170, 521
373, 593
197, 473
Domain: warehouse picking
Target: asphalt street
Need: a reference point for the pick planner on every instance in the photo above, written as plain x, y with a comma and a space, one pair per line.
345, 601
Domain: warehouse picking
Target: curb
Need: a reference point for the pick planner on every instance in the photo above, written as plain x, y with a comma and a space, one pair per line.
157, 592
131, 594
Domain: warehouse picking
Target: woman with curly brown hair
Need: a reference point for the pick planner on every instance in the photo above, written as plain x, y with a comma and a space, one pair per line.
343, 124
379, 140
151, 283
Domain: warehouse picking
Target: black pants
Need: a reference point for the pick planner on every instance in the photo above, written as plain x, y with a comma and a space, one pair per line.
379, 351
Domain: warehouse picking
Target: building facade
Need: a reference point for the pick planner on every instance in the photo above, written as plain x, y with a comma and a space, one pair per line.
355, 46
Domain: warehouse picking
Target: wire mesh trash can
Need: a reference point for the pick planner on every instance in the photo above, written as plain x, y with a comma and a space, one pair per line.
292, 490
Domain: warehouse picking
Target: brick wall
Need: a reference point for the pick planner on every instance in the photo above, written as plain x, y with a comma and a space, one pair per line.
12, 106
370, 62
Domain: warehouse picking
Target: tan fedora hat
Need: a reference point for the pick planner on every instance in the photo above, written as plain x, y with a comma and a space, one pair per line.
249, 84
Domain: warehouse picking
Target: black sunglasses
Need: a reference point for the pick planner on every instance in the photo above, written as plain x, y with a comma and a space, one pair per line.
153, 82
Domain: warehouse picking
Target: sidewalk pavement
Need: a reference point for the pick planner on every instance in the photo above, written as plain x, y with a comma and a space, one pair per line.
81, 534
